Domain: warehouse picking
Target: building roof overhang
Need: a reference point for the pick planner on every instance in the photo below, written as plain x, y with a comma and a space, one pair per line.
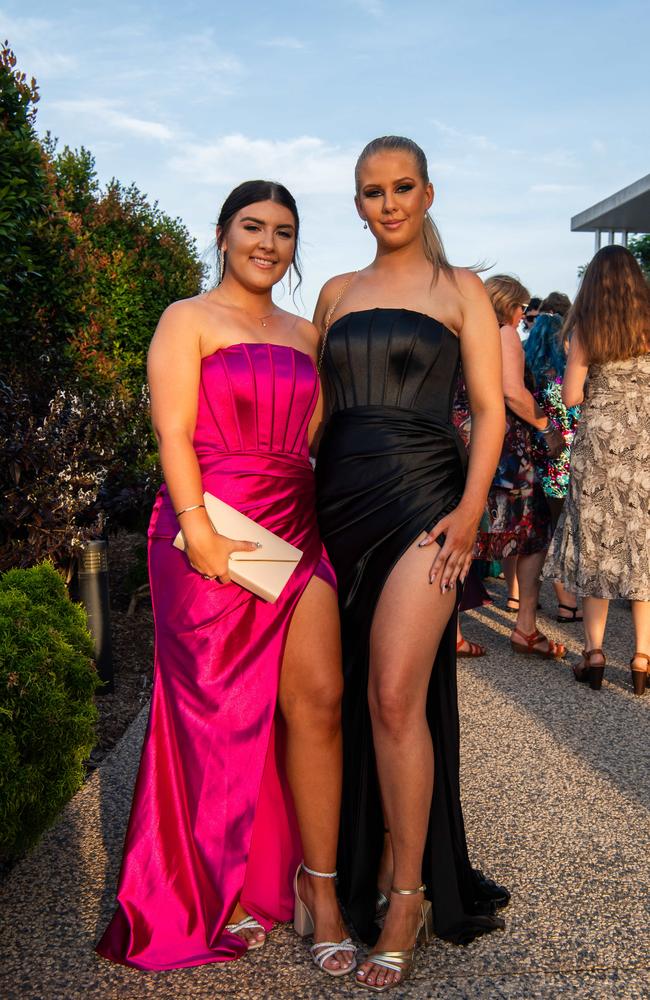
626, 211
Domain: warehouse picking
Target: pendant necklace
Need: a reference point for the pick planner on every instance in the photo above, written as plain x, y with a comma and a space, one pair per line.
262, 319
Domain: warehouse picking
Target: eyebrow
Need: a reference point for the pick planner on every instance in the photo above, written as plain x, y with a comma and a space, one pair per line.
398, 181
260, 222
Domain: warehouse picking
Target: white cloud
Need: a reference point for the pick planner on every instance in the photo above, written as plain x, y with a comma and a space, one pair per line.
25, 35
554, 188
373, 7
284, 42
307, 165
106, 113
455, 135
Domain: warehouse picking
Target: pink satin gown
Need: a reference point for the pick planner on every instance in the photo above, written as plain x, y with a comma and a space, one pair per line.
212, 819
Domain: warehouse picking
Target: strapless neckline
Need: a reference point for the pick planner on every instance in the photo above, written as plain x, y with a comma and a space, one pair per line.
259, 343
395, 309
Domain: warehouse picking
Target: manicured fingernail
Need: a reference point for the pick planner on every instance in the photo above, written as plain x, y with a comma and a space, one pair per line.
425, 541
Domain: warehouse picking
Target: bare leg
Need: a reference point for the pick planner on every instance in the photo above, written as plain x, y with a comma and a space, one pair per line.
528, 570
595, 621
409, 621
641, 620
311, 687
565, 597
509, 567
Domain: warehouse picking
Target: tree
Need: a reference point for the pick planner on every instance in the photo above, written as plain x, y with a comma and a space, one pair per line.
640, 247
85, 273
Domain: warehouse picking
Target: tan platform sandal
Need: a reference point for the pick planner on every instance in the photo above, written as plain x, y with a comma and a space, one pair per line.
640, 677
303, 924
248, 924
555, 651
401, 961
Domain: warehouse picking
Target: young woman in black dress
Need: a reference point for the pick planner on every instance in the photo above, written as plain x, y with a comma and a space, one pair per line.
399, 516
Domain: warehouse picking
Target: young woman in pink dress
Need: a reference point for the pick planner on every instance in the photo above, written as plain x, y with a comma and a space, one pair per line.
241, 769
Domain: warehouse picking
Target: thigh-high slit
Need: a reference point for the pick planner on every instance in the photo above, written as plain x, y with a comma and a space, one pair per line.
386, 472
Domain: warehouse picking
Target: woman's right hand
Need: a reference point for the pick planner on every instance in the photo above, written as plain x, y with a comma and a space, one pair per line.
554, 442
208, 552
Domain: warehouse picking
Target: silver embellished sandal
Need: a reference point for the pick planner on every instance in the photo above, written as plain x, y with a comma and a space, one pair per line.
401, 961
248, 924
303, 923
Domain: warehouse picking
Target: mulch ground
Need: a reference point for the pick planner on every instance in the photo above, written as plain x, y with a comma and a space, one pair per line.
132, 640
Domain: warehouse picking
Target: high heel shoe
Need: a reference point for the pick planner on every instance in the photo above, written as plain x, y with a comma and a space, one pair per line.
640, 677
303, 924
248, 924
586, 672
401, 961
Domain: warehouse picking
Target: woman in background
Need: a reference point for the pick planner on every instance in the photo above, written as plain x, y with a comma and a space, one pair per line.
601, 548
546, 358
520, 523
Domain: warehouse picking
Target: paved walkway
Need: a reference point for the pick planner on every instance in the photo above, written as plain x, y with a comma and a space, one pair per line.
557, 806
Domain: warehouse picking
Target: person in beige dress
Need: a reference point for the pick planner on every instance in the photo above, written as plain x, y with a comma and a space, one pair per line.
601, 546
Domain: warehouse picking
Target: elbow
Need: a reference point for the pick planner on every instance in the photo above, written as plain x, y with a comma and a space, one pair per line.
572, 398
171, 437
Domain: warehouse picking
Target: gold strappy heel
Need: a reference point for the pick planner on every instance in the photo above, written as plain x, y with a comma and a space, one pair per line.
303, 924
402, 961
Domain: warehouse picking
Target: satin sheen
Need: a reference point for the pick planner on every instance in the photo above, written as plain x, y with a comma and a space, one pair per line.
390, 465
212, 817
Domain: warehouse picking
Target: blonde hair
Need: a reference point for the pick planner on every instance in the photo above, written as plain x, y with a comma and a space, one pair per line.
506, 293
434, 250
611, 313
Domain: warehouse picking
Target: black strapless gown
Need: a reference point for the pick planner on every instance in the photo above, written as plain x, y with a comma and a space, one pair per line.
390, 465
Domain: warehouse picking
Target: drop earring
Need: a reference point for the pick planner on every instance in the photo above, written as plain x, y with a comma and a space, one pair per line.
290, 266
221, 265
365, 225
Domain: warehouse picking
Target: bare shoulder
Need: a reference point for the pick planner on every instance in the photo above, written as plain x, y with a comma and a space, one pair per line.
307, 331
333, 286
180, 321
469, 284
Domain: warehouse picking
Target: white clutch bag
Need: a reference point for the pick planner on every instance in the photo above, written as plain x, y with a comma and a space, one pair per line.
265, 571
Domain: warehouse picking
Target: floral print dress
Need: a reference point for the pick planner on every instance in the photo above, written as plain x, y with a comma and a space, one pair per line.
519, 516
601, 546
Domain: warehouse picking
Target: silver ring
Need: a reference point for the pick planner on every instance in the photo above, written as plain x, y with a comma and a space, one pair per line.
206, 577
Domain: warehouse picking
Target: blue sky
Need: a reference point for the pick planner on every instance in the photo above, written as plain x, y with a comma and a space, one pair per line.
528, 112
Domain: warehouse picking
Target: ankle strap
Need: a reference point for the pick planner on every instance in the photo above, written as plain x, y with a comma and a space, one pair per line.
408, 892
310, 871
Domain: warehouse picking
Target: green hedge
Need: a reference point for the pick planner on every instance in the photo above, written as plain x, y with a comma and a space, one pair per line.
47, 710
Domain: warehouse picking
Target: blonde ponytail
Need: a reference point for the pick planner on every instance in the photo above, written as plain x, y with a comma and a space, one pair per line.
434, 249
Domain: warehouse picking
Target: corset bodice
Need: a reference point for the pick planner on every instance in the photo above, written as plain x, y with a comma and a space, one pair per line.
391, 358
255, 397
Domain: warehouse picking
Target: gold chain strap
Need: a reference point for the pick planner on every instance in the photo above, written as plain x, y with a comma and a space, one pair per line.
328, 319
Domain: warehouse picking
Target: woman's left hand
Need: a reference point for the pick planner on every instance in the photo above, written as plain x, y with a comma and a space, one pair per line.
455, 556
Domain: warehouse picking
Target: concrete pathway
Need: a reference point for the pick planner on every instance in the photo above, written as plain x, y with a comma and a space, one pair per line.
557, 806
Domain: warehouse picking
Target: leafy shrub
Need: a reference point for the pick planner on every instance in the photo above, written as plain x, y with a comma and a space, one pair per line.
47, 713
86, 462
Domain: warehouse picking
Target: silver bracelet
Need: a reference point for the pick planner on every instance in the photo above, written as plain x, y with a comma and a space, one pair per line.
196, 506
546, 430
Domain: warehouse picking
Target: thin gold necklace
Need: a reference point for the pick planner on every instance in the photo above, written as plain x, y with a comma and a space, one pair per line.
261, 319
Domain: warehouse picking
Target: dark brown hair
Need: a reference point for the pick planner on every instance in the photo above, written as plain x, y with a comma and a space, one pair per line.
611, 313
556, 302
249, 193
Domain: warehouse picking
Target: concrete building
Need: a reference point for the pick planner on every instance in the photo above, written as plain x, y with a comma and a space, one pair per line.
627, 211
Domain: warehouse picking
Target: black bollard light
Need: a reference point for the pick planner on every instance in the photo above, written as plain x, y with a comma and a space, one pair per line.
93, 594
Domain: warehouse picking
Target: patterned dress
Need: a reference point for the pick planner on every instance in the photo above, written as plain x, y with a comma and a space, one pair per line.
601, 547
520, 520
